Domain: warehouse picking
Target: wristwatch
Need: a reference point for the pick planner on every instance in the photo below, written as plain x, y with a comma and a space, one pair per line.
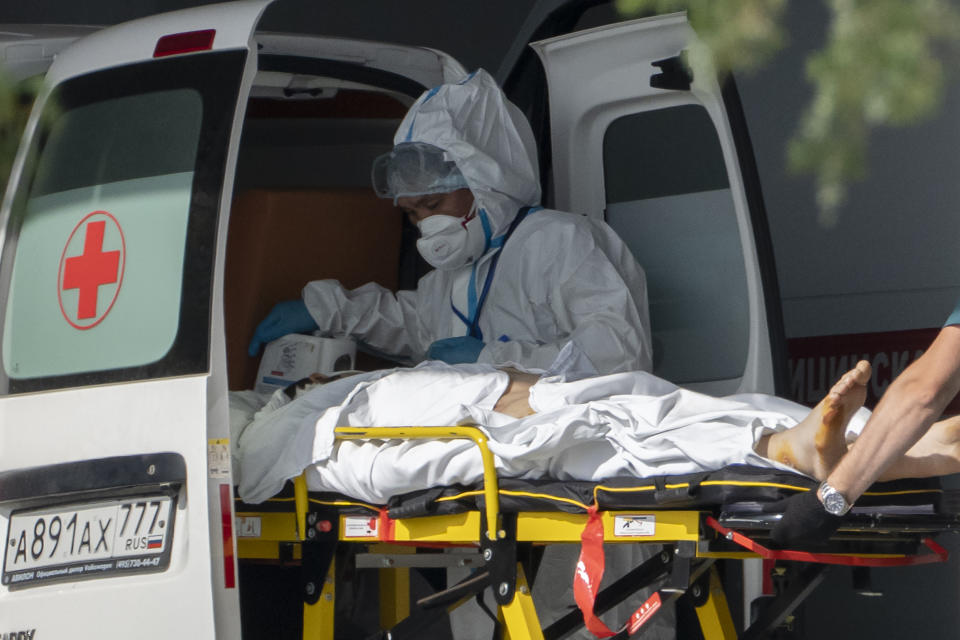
833, 501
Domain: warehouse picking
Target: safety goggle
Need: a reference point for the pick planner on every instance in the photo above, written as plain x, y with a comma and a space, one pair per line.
413, 169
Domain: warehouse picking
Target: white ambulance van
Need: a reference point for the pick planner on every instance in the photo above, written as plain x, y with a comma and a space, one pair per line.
182, 173
27, 50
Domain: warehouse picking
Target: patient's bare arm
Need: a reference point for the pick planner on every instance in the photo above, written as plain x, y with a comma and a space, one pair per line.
515, 401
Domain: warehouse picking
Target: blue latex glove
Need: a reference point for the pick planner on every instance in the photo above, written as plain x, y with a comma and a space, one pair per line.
289, 316
455, 350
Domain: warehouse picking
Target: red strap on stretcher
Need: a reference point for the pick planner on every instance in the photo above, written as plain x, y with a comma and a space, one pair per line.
586, 582
385, 526
939, 553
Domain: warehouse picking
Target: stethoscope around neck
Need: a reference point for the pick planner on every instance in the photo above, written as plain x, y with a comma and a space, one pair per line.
475, 304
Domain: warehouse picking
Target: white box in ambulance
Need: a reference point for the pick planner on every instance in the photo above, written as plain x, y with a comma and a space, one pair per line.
295, 356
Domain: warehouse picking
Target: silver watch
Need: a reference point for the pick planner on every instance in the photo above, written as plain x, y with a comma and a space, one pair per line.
833, 501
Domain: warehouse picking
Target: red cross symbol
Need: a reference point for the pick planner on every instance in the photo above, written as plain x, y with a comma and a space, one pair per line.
91, 269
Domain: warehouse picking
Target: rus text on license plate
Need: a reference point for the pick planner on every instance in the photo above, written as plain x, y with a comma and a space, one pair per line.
88, 540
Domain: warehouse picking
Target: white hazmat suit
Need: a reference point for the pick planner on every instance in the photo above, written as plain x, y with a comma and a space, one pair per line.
560, 277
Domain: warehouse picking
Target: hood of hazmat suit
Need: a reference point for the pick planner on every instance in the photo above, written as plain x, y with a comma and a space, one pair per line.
489, 139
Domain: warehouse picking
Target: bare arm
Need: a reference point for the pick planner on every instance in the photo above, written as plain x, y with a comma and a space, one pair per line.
910, 405
515, 401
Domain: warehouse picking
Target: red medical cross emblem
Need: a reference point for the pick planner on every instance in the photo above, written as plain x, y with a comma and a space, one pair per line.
91, 270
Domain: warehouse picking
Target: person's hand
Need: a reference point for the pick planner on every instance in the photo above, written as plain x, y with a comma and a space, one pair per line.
289, 316
804, 523
456, 350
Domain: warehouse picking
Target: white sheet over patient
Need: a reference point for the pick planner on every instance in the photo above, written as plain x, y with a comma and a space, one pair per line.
628, 424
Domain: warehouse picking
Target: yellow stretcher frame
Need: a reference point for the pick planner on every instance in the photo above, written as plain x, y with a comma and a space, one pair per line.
518, 617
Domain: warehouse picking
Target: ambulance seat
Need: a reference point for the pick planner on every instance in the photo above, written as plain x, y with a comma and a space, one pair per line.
279, 240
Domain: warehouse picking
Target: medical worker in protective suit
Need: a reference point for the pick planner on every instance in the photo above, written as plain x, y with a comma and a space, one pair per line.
512, 282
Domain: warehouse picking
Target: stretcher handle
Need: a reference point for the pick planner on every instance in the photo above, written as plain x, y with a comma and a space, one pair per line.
939, 553
301, 504
491, 494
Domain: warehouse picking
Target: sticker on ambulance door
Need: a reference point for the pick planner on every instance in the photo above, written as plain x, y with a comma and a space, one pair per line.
218, 458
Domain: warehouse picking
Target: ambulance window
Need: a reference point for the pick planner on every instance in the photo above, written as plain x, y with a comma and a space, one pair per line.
669, 198
108, 257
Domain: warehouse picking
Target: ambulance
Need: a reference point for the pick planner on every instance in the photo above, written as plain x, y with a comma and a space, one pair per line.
181, 173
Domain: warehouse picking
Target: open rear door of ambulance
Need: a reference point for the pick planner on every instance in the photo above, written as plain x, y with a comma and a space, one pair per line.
114, 521
644, 136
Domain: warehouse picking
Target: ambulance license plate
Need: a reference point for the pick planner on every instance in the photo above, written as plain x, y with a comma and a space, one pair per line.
96, 539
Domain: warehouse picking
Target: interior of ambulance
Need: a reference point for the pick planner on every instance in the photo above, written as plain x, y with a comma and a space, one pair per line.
303, 209
328, 566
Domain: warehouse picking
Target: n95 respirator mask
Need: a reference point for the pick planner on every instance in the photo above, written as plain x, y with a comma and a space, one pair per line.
449, 242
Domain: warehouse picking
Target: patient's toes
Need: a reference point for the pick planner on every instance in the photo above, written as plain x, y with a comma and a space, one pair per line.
824, 428
846, 396
850, 392
830, 437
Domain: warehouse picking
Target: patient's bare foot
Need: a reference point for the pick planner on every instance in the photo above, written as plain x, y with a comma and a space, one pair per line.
816, 445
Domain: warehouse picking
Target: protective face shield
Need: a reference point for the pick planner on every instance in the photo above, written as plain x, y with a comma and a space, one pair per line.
448, 242
414, 169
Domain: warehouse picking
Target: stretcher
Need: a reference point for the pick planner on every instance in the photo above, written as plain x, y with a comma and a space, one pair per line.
699, 522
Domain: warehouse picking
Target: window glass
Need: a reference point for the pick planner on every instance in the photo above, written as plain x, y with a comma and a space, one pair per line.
106, 222
668, 197
108, 253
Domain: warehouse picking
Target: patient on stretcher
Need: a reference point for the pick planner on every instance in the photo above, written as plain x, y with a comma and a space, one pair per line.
628, 424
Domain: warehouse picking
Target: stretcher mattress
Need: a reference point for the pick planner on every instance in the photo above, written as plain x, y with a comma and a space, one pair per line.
741, 496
